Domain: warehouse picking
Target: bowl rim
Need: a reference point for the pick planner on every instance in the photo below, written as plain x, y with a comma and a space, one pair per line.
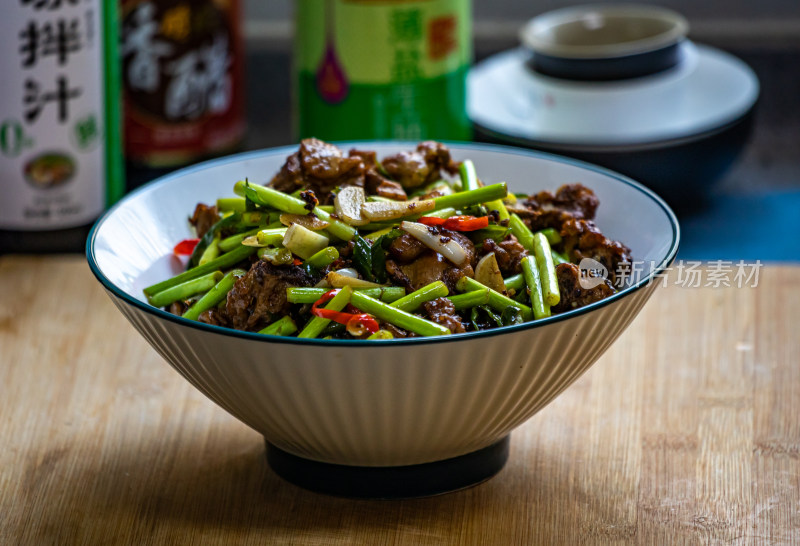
645, 281
533, 35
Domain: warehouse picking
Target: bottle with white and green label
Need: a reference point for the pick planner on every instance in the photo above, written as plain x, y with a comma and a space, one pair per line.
382, 69
60, 140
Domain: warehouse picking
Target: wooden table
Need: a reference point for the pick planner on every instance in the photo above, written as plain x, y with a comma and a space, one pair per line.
686, 431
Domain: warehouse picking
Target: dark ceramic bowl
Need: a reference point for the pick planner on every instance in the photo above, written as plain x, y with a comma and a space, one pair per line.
677, 130
682, 170
605, 42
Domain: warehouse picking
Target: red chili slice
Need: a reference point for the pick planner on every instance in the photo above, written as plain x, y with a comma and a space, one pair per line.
457, 223
465, 223
351, 320
431, 221
325, 298
362, 321
185, 247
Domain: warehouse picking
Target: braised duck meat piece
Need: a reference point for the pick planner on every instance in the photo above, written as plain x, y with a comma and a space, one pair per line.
508, 253
413, 265
422, 166
408, 168
177, 308
406, 248
397, 332
437, 156
427, 268
261, 293
290, 177
215, 316
582, 239
573, 295
321, 167
548, 210
374, 182
203, 218
369, 157
442, 311
576, 199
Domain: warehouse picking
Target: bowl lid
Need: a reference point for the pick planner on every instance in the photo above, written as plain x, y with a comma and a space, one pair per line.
708, 90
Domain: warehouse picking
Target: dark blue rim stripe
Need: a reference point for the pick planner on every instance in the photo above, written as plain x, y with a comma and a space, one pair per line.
159, 313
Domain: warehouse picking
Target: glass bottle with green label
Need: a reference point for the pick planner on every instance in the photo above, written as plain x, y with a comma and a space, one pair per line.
60, 139
382, 69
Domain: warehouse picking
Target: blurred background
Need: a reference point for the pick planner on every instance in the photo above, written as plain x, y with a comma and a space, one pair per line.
753, 211
203, 78
765, 22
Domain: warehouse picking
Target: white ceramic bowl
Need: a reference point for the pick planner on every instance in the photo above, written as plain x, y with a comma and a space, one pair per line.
387, 403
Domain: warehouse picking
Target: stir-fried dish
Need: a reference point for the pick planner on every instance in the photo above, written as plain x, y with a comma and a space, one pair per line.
347, 245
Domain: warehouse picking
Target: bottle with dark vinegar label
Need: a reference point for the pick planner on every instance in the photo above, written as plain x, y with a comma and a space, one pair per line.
60, 132
182, 69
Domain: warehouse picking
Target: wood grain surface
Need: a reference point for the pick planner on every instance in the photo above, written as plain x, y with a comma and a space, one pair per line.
687, 431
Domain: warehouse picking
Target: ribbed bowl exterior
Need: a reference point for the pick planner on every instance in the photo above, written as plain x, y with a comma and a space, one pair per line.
375, 405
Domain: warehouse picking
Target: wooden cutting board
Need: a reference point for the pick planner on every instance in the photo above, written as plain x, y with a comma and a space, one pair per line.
686, 431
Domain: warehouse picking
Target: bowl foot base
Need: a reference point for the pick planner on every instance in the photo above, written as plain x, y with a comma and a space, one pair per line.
390, 482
